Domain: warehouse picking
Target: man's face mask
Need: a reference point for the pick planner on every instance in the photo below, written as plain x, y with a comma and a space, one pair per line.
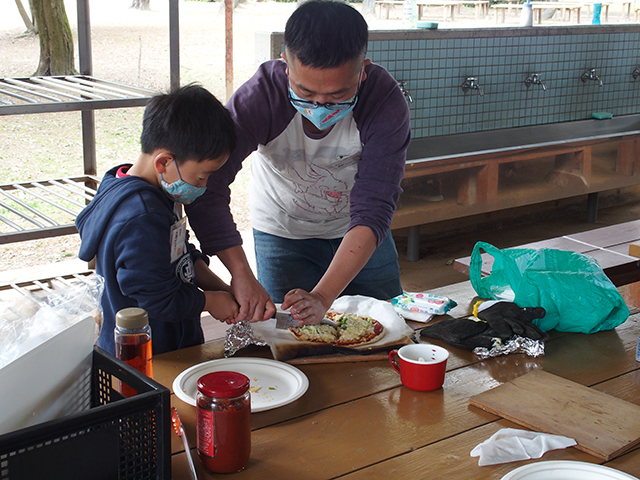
181, 191
323, 115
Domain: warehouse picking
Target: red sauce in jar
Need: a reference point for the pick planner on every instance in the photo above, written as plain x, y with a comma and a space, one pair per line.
223, 421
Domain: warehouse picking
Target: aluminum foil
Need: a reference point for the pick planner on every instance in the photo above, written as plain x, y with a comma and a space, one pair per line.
516, 344
239, 336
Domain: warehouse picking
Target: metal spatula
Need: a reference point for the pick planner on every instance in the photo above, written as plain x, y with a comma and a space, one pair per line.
285, 320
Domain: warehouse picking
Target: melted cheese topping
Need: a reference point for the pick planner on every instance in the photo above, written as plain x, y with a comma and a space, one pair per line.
317, 333
352, 330
352, 327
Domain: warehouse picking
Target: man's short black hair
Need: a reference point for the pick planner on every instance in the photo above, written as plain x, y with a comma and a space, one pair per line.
326, 34
191, 123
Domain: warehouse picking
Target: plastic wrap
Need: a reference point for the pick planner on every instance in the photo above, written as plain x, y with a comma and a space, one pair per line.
31, 320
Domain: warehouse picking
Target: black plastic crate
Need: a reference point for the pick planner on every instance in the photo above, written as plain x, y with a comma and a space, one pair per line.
115, 438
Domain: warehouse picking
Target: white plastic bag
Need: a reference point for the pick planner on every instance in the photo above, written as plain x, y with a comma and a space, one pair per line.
31, 320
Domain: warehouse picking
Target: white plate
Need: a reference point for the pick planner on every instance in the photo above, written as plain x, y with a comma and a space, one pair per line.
566, 470
277, 383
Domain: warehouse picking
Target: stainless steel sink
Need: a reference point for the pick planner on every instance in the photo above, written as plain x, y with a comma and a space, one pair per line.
513, 139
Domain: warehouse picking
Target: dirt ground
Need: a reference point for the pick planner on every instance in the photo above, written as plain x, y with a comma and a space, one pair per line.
131, 46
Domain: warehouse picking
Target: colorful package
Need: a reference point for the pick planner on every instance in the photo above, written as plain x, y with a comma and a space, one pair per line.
422, 303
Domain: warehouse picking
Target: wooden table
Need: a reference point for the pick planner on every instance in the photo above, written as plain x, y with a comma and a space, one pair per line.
357, 420
608, 245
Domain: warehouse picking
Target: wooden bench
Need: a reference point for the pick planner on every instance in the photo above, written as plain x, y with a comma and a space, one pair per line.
567, 7
385, 5
503, 8
608, 245
480, 183
481, 7
538, 7
450, 6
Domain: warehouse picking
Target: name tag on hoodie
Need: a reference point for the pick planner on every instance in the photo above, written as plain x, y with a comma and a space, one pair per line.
178, 238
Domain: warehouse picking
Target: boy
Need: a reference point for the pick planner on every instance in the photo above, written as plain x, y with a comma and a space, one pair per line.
133, 229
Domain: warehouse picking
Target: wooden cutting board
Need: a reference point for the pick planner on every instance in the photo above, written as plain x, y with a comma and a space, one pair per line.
602, 425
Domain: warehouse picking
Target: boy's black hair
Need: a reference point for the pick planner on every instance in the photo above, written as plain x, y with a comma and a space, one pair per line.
326, 34
191, 123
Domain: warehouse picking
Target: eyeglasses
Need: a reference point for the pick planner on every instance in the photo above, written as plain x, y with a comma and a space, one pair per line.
338, 106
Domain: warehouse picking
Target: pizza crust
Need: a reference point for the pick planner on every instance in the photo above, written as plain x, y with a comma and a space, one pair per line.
353, 330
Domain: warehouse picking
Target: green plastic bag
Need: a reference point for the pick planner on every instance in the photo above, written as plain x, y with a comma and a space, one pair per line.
570, 286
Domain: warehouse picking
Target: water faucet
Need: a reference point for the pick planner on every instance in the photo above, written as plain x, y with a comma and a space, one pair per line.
636, 73
471, 83
405, 92
591, 75
534, 79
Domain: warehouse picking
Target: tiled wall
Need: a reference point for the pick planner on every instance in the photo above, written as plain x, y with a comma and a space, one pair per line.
435, 63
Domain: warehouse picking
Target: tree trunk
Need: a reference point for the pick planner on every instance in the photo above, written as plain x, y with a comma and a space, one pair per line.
56, 41
25, 18
141, 4
221, 8
368, 7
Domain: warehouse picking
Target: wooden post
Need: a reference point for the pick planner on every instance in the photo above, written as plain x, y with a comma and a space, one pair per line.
228, 22
174, 44
626, 158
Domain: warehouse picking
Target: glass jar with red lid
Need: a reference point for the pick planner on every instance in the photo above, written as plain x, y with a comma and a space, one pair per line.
223, 421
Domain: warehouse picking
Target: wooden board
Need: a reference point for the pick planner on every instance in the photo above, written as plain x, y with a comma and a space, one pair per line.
634, 249
602, 425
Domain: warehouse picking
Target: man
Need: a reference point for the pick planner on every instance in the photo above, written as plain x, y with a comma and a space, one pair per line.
330, 131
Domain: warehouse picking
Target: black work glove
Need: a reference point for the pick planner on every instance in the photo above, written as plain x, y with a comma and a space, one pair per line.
508, 319
502, 320
461, 333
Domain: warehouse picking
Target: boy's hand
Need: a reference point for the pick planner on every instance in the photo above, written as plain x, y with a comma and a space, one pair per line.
221, 305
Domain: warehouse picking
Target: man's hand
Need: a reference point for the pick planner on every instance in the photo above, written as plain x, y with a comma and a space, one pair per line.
307, 308
255, 303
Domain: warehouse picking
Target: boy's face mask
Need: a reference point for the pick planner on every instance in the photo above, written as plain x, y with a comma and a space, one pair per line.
181, 191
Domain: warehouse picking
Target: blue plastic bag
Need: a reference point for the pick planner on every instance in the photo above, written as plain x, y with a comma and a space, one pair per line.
570, 286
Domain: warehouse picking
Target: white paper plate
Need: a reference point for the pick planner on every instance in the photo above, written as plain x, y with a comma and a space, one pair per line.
277, 383
566, 470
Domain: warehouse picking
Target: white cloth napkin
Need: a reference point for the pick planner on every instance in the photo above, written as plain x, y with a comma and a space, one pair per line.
511, 445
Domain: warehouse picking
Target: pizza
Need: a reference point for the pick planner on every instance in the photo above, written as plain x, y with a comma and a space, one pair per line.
353, 330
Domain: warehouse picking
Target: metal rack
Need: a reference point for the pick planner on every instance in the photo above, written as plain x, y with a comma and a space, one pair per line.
47, 208
67, 93
44, 285
39, 209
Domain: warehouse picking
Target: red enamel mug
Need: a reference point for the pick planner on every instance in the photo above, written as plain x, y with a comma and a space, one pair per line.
421, 366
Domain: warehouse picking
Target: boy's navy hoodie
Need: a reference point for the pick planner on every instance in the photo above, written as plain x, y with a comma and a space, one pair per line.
127, 228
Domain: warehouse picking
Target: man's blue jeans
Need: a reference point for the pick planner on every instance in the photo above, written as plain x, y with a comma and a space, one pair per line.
284, 264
